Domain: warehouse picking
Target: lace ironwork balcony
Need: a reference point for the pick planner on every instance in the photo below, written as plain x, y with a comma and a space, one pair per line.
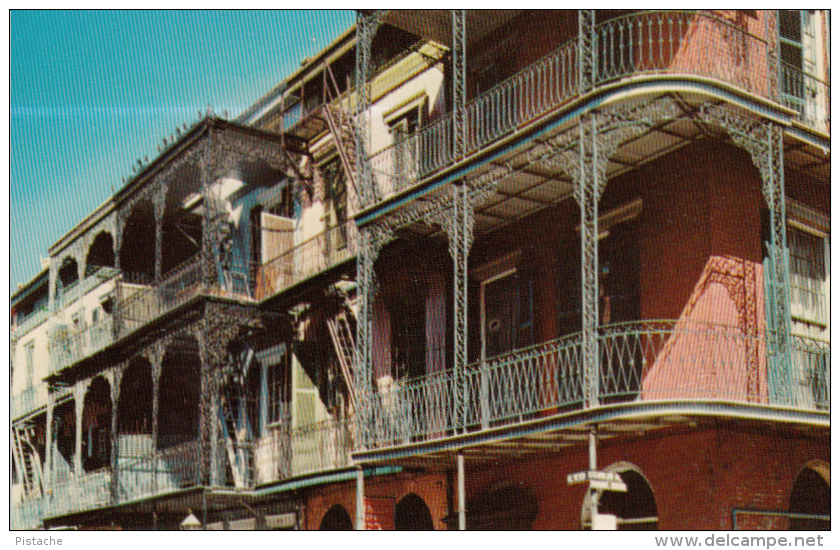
144, 471
26, 515
644, 361
319, 253
286, 452
29, 400
79, 494
70, 345
681, 44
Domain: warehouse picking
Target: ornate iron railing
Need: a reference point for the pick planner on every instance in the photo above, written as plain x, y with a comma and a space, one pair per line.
304, 260
30, 399
286, 452
79, 494
68, 346
26, 515
684, 43
642, 361
31, 321
807, 95
144, 471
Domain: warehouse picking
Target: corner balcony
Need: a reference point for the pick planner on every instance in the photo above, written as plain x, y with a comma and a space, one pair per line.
76, 494
315, 255
644, 362
655, 44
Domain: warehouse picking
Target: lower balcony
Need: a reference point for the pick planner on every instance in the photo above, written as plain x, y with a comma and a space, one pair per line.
78, 494
29, 400
144, 472
290, 452
651, 361
26, 515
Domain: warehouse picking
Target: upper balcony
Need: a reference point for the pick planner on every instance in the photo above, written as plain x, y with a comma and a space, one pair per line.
732, 55
644, 363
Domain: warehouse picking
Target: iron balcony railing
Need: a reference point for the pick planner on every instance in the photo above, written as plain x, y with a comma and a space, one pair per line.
286, 452
302, 261
143, 471
29, 400
807, 95
644, 361
78, 494
26, 515
679, 43
34, 319
70, 345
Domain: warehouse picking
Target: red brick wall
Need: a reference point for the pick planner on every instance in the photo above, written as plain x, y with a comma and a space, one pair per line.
697, 477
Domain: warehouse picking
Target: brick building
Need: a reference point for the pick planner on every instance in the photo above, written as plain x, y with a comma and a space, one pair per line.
455, 258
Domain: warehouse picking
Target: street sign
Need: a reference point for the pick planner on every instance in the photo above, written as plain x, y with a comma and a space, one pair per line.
605, 481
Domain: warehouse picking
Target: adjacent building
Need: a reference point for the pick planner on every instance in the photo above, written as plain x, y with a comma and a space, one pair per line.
463, 269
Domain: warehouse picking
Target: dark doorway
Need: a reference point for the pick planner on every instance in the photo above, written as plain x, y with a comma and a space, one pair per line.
811, 495
336, 519
412, 514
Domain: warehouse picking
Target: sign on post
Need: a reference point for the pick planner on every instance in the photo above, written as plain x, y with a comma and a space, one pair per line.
605, 481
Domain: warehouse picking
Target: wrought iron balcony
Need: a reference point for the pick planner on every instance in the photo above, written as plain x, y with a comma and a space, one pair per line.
69, 345
302, 261
30, 399
681, 44
78, 494
31, 321
639, 362
287, 452
26, 515
143, 471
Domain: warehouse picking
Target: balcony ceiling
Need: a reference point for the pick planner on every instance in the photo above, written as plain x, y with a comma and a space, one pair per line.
533, 186
436, 25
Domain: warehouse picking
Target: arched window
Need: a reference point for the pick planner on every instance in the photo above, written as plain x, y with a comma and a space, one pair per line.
336, 519
635, 510
412, 514
96, 426
811, 496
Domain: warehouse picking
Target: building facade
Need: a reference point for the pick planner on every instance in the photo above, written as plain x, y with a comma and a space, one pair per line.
463, 269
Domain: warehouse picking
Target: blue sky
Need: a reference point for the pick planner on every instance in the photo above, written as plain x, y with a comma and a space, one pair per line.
91, 92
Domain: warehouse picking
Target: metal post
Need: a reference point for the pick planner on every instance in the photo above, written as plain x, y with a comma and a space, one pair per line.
459, 228
77, 457
593, 465
775, 195
48, 464
364, 337
462, 494
587, 64
360, 499
588, 185
366, 25
158, 199
459, 81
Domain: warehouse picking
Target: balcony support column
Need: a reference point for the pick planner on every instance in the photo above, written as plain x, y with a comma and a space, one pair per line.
49, 446
779, 317
462, 493
459, 82
366, 26
458, 225
588, 192
360, 499
156, 360
587, 61
159, 203
371, 241
116, 383
79, 397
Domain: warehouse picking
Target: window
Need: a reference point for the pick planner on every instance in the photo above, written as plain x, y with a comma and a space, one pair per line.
404, 122
801, 75
808, 282
335, 197
29, 358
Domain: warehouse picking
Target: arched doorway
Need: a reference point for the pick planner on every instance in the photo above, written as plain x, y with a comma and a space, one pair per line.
179, 393
505, 508
634, 509
100, 254
811, 495
336, 519
96, 426
137, 251
412, 514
